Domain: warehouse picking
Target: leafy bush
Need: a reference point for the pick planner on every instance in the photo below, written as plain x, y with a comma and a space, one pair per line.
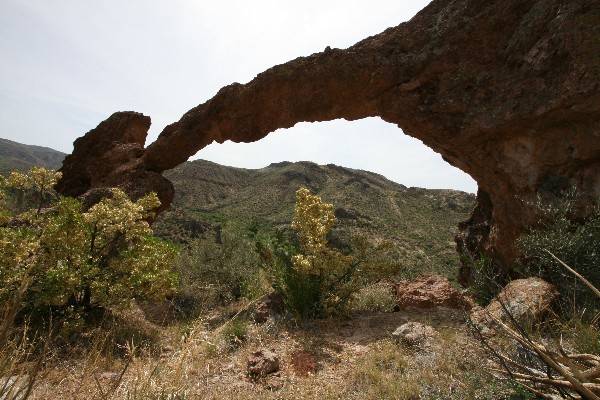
99, 257
225, 268
316, 280
22, 192
576, 242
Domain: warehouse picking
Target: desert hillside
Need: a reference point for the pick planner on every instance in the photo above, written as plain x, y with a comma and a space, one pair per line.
420, 222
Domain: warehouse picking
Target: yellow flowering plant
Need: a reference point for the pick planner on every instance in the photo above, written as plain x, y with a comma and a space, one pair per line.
99, 257
317, 280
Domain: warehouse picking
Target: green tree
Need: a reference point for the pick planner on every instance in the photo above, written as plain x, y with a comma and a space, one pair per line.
315, 279
99, 257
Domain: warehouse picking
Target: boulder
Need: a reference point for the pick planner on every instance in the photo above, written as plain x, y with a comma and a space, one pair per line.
415, 334
265, 306
527, 300
430, 291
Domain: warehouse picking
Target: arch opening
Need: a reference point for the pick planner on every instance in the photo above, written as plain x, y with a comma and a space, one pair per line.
369, 144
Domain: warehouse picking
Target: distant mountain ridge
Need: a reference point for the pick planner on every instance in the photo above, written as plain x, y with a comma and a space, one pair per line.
421, 223
21, 157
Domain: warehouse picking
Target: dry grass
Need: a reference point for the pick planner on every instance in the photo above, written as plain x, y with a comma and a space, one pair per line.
20, 360
378, 297
354, 358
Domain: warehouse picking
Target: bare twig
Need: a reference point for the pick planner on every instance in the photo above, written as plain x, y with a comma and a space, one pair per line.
577, 375
581, 278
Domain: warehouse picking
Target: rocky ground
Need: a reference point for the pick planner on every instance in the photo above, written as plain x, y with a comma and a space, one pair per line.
225, 354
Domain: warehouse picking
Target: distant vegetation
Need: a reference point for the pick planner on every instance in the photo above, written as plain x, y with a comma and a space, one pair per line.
19, 157
419, 223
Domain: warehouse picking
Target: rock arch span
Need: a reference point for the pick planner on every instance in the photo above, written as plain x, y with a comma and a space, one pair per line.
508, 91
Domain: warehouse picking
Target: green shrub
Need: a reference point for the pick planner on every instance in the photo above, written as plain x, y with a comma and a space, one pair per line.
575, 242
82, 259
485, 284
584, 335
314, 279
224, 268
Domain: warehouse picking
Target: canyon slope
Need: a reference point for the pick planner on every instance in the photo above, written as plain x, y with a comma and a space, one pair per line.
420, 223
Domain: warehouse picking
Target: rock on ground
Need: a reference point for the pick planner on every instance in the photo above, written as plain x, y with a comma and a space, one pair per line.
415, 334
262, 362
527, 300
430, 291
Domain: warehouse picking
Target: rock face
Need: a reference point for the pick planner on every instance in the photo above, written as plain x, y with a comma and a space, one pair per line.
107, 156
507, 91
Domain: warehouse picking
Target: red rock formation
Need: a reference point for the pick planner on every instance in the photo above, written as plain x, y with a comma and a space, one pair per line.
428, 292
508, 91
106, 156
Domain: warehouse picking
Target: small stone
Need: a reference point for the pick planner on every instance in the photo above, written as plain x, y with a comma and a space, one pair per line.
267, 304
261, 313
415, 334
273, 383
262, 362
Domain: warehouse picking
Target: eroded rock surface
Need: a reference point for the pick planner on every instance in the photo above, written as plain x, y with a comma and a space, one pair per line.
527, 300
430, 291
508, 91
109, 156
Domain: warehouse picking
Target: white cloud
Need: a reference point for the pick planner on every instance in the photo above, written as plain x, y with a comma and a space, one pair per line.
68, 64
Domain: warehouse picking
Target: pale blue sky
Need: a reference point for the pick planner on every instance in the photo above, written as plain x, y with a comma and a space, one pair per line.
66, 65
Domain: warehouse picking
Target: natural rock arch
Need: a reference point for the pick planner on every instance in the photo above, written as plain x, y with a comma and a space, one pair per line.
508, 91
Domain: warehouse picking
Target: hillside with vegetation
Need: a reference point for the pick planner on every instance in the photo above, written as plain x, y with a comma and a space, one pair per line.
20, 157
420, 223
